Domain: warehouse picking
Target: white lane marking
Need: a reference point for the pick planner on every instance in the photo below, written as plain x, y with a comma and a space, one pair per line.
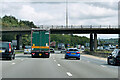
18, 58
13, 63
55, 60
69, 74
103, 66
58, 64
5, 61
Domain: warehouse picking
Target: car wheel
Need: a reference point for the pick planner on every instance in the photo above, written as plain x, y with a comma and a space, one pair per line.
66, 57
108, 61
13, 56
114, 62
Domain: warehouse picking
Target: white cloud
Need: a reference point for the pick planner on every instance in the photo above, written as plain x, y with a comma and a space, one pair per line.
29, 13
88, 14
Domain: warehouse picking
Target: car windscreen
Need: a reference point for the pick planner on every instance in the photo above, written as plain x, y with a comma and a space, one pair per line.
72, 50
27, 47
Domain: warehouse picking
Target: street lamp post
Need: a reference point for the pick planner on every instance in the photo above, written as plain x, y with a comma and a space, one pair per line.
66, 14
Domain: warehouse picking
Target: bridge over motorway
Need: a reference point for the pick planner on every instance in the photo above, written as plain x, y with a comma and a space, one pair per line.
79, 29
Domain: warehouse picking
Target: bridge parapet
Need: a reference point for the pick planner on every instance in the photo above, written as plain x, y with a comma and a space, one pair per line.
78, 26
15, 28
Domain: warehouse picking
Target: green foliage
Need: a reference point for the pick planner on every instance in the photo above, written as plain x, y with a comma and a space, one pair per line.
11, 21
69, 39
26, 39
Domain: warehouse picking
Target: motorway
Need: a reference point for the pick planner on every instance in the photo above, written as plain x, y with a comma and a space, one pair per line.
57, 67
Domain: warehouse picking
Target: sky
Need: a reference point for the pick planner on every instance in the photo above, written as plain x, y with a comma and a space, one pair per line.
52, 12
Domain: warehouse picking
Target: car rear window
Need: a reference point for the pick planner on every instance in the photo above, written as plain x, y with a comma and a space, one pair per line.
72, 50
27, 47
4, 45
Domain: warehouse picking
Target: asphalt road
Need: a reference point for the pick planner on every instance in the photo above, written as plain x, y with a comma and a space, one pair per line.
57, 67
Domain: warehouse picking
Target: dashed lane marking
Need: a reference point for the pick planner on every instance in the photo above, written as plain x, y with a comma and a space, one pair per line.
59, 65
103, 66
13, 63
69, 74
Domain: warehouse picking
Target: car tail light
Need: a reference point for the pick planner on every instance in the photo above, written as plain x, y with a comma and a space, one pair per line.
68, 52
9, 47
78, 52
46, 53
33, 53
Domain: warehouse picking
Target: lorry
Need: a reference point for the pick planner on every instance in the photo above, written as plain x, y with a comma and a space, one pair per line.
40, 43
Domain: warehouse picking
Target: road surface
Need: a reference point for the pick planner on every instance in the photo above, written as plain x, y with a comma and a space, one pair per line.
57, 67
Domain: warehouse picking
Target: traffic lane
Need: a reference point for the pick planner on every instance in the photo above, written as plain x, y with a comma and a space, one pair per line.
98, 61
18, 58
7, 64
34, 68
85, 69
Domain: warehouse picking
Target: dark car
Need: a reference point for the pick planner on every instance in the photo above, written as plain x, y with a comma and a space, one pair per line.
52, 50
6, 50
114, 57
72, 53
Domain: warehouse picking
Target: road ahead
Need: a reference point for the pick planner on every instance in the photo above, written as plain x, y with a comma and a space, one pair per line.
57, 67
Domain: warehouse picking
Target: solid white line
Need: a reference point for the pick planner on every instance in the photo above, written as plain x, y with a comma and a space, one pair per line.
13, 63
103, 66
58, 64
69, 74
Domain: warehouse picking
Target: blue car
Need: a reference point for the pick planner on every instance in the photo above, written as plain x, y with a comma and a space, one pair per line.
72, 53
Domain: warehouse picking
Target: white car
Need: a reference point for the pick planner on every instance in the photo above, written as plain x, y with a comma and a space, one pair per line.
27, 50
63, 50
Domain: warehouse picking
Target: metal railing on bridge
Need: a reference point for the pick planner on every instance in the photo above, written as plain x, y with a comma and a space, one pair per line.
77, 26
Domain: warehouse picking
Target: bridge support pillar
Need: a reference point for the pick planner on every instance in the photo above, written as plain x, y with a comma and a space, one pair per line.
91, 42
19, 42
95, 41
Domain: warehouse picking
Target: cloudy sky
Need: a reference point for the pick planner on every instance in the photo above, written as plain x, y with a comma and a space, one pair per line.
51, 12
